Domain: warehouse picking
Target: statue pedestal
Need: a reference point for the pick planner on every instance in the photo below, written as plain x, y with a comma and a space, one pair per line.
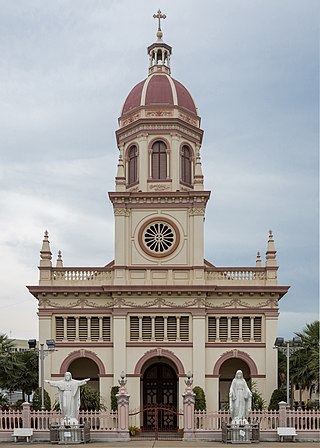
240, 433
70, 434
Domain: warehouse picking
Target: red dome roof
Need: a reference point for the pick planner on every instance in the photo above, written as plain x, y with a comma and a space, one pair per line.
159, 89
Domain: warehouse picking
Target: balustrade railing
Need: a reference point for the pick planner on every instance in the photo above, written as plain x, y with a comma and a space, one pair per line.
268, 420
97, 275
42, 420
236, 274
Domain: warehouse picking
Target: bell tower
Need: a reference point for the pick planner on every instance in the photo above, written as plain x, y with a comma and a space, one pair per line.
159, 200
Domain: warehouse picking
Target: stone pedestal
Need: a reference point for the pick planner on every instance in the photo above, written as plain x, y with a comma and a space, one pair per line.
188, 409
240, 433
74, 434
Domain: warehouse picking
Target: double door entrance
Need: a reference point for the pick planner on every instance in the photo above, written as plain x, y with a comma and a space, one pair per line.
160, 398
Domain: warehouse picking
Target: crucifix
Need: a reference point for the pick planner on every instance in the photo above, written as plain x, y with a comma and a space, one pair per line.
159, 16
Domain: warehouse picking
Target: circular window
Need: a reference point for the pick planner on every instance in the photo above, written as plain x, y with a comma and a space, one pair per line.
159, 238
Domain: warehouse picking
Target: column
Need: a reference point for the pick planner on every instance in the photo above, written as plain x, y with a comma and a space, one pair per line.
65, 323
119, 345
229, 329
77, 338
165, 330
198, 350
251, 329
153, 328
89, 328
140, 328
217, 329
178, 328
100, 329
240, 329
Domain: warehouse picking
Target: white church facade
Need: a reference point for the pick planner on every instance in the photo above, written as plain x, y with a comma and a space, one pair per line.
160, 310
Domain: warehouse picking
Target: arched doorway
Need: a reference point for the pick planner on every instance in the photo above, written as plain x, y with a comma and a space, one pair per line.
82, 368
160, 397
226, 375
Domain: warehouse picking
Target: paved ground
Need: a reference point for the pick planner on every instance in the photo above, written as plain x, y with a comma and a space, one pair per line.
161, 444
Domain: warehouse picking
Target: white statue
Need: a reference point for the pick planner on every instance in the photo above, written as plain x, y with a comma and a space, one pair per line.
69, 397
240, 397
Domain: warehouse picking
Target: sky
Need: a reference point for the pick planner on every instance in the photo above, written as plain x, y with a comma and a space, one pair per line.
66, 67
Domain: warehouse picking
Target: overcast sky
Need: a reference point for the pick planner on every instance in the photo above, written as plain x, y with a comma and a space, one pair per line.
66, 67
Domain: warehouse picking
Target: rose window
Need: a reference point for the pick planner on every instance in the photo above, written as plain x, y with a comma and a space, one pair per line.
159, 238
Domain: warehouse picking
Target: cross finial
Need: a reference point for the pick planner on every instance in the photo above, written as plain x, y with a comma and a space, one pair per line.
159, 16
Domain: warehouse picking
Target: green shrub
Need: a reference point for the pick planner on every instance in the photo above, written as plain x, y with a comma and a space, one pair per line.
90, 399
200, 399
114, 401
277, 396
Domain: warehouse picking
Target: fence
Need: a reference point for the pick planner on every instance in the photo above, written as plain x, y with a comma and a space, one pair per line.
203, 424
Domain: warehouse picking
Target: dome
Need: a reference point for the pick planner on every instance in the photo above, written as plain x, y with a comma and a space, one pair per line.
159, 89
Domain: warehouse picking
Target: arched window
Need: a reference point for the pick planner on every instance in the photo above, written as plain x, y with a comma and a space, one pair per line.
159, 161
132, 165
186, 164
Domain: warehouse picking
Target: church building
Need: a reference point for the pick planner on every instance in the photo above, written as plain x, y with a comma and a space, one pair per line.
159, 310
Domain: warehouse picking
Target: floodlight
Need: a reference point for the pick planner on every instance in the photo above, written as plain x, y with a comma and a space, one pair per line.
32, 344
51, 343
278, 342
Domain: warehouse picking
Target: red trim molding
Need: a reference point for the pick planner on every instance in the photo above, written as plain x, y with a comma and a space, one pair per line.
235, 354
82, 354
159, 352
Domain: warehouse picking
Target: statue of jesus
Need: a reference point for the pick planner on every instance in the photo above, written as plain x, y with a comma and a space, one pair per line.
69, 397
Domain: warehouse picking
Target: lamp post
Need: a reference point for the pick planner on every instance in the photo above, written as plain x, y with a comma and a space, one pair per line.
288, 348
42, 354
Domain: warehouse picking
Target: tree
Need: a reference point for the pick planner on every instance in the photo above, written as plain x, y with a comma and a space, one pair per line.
36, 402
304, 364
28, 377
9, 364
277, 396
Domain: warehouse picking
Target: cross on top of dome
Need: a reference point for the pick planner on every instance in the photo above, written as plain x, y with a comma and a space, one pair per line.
159, 16
159, 52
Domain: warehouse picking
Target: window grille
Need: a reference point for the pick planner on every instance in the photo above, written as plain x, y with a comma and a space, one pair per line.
146, 328
186, 164
257, 329
234, 329
159, 328
212, 329
134, 328
223, 329
94, 328
184, 328
71, 328
246, 329
83, 328
106, 328
59, 329
159, 161
172, 328
132, 165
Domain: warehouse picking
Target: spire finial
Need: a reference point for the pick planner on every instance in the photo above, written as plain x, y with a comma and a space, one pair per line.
159, 16
258, 260
59, 260
45, 252
271, 251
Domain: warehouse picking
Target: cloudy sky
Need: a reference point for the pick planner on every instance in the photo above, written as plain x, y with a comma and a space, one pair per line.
66, 67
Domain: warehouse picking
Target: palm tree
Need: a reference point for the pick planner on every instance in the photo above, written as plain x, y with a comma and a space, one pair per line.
305, 362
